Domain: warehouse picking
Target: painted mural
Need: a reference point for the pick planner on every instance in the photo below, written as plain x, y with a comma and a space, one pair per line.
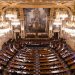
36, 19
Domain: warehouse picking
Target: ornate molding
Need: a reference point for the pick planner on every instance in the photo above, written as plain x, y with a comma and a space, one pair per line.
35, 4
74, 8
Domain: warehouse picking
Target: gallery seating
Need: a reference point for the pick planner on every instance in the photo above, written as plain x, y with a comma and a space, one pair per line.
5, 57
69, 58
22, 63
54, 59
50, 63
67, 54
45, 63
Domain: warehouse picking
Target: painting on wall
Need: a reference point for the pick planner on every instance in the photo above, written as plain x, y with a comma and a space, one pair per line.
36, 19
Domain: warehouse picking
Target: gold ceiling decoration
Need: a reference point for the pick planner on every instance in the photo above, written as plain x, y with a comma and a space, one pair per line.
74, 8
12, 2
35, 3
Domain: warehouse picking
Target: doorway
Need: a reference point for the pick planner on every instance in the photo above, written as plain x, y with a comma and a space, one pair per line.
17, 35
56, 35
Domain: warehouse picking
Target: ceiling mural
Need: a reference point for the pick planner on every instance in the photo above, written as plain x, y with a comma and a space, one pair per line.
36, 19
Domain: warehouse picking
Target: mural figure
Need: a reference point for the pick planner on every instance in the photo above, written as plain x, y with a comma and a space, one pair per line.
35, 19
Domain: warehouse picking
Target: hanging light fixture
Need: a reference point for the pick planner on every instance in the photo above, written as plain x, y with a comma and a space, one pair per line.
11, 14
15, 22
70, 31
3, 23
62, 14
70, 25
57, 22
71, 22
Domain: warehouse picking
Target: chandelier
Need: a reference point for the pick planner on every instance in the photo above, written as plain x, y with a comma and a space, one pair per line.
3, 23
11, 14
61, 14
71, 22
4, 26
70, 31
15, 22
57, 22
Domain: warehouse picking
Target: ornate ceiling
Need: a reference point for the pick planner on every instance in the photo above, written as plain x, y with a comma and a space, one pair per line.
68, 4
